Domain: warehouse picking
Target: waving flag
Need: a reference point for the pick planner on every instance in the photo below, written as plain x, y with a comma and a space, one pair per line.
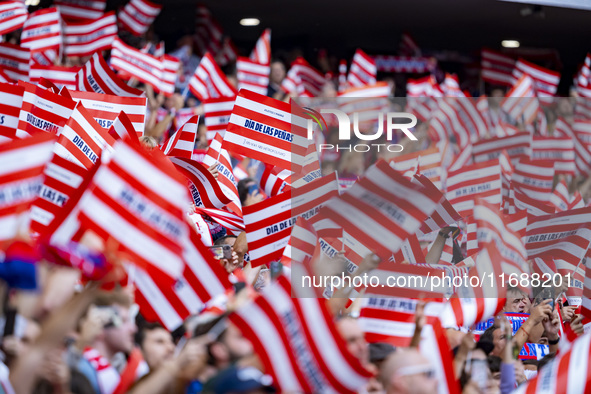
298, 343
42, 111
302, 243
97, 76
14, 60
21, 178
42, 30
208, 34
81, 10
106, 108
560, 150
62, 180
582, 153
275, 180
429, 161
229, 220
363, 70
303, 80
82, 140
182, 142
170, 68
252, 75
444, 214
13, 15
265, 129
269, 222
58, 75
482, 180
11, 99
521, 102
138, 15
534, 178
517, 146
497, 68
217, 115
382, 209
560, 197
262, 50
209, 81
85, 38
545, 81
123, 128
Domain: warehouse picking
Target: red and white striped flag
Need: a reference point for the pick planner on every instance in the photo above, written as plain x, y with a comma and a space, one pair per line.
521, 102
303, 80
363, 70
265, 129
208, 33
97, 76
229, 220
545, 80
182, 142
382, 209
560, 197
43, 31
534, 178
85, 38
517, 146
471, 117
302, 243
139, 200
42, 111
11, 99
482, 180
123, 128
444, 214
137, 16
269, 222
106, 108
209, 81
562, 236
582, 128
497, 68
204, 188
559, 150
298, 342
252, 75
220, 157
14, 60
13, 15
582, 153
22, 176
275, 180
521, 201
262, 50
81, 10
58, 75
82, 140
170, 68
62, 180
217, 115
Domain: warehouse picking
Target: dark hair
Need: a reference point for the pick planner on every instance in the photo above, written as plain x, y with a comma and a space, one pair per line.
494, 363
545, 360
142, 327
243, 188
487, 335
222, 240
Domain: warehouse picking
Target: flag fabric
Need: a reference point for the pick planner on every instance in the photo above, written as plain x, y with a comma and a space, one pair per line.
13, 15
137, 16
302, 243
81, 10
266, 129
85, 38
123, 128
42, 111
303, 80
97, 76
182, 142
298, 343
269, 222
42, 31
62, 180
521, 103
517, 146
545, 80
170, 68
482, 180
82, 140
275, 180
11, 99
363, 70
106, 108
217, 113
208, 33
208, 80
14, 61
21, 177
205, 190
582, 153
58, 75
252, 75
443, 215
229, 220
497, 68
560, 197
560, 150
382, 209
262, 50
534, 178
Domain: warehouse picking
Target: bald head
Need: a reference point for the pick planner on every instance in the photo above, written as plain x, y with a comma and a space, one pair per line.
408, 371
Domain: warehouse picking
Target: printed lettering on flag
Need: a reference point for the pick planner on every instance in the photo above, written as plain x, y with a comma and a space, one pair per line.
560, 150
138, 15
182, 142
11, 99
97, 76
13, 15
266, 129
80, 10
517, 146
14, 60
42, 111
252, 75
106, 108
42, 31
85, 38
82, 140
482, 180
21, 177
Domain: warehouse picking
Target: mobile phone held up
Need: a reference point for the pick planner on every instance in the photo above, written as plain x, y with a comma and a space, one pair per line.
221, 251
